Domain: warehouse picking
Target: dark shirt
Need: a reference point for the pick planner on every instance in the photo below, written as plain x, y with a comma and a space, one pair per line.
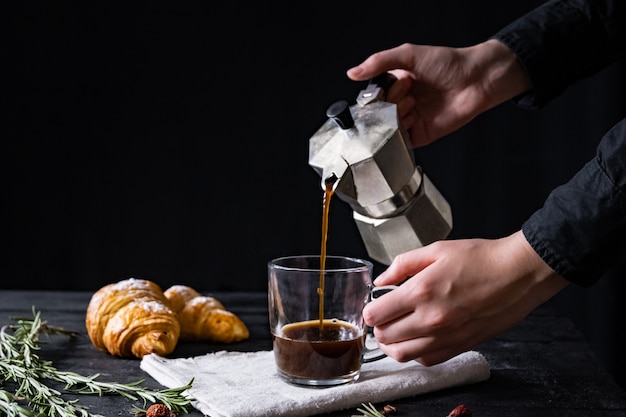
580, 232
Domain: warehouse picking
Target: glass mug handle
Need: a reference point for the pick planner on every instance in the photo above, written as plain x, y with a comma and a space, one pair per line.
371, 354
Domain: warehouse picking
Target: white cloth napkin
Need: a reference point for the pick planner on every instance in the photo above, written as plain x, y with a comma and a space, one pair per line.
233, 384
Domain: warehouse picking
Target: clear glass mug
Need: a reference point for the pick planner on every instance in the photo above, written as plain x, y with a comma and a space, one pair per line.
316, 318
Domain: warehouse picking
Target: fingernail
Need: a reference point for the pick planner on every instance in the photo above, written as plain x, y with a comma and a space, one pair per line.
355, 71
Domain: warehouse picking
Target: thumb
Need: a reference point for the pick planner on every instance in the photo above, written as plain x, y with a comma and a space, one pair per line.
380, 62
404, 266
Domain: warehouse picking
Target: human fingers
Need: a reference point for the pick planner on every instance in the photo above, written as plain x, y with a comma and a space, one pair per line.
388, 308
438, 344
400, 93
380, 62
420, 350
414, 308
404, 265
406, 350
399, 302
406, 106
407, 113
431, 345
410, 338
400, 89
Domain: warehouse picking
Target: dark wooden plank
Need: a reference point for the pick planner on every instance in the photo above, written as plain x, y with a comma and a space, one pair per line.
541, 367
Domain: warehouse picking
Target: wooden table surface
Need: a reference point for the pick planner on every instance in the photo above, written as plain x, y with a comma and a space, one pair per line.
541, 367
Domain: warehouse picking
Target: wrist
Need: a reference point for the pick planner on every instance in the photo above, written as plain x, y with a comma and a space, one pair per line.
500, 72
542, 280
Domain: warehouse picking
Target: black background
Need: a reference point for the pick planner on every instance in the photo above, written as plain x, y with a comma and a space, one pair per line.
169, 141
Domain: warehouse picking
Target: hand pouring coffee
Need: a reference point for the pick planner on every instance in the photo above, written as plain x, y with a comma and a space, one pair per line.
395, 206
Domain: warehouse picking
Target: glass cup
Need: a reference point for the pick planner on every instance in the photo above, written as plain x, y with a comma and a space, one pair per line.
316, 318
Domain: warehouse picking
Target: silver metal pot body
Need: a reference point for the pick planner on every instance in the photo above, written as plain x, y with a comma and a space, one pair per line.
396, 207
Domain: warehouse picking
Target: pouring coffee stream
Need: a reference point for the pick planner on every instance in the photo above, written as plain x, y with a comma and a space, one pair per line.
328, 192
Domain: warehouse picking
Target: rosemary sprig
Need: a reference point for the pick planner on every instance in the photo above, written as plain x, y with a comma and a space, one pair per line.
369, 410
20, 363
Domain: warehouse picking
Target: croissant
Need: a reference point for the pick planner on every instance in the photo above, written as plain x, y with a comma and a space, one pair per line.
132, 318
204, 318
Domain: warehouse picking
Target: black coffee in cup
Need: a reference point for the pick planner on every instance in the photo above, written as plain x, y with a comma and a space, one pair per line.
309, 350
316, 318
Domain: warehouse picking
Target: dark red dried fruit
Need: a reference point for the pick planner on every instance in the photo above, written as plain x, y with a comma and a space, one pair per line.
460, 411
159, 410
388, 409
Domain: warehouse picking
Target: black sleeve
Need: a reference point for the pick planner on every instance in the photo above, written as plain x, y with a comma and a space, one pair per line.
563, 41
581, 229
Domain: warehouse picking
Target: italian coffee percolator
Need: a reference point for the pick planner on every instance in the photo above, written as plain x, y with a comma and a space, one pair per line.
364, 151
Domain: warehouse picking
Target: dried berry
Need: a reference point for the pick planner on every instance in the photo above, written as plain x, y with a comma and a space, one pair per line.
460, 411
159, 410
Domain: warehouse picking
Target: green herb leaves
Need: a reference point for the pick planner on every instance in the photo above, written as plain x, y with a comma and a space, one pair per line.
33, 376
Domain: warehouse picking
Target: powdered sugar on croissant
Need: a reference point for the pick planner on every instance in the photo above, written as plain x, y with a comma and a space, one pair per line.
204, 318
132, 318
180, 295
